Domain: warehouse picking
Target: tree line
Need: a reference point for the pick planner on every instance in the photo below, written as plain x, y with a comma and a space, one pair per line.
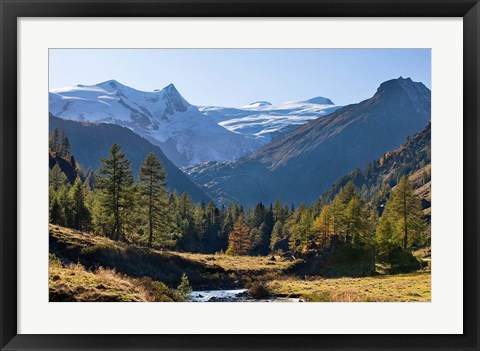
142, 211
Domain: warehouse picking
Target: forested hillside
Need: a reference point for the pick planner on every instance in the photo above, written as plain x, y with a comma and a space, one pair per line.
379, 176
90, 142
316, 154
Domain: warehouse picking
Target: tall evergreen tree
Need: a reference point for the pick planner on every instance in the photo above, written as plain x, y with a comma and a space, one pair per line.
80, 213
153, 188
55, 210
57, 178
64, 145
114, 180
54, 140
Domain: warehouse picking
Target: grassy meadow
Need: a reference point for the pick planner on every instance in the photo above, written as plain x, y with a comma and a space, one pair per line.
85, 267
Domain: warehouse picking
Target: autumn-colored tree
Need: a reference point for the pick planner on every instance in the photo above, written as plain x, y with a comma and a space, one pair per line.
301, 233
356, 219
322, 227
277, 235
239, 242
402, 222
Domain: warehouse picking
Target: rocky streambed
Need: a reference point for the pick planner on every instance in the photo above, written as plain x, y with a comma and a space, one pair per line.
235, 295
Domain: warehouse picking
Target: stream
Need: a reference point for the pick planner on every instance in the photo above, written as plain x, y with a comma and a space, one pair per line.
234, 295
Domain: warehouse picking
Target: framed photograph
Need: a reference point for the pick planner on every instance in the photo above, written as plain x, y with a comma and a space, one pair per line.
239, 175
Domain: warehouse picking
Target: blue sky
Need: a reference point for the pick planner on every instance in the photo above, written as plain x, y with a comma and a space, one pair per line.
236, 77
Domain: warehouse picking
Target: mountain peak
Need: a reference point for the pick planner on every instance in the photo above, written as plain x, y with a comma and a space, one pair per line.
174, 100
171, 89
405, 83
401, 90
258, 104
111, 84
319, 100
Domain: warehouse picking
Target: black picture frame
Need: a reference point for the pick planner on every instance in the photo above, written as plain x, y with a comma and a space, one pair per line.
11, 10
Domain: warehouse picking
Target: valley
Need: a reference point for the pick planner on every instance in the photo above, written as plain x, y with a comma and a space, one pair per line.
153, 199
74, 277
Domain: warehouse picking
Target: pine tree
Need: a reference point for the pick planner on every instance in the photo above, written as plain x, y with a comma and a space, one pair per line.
184, 287
56, 177
115, 184
65, 205
54, 140
80, 213
55, 210
154, 192
64, 146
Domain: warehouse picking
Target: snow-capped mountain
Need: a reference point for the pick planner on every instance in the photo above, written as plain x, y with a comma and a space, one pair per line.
263, 120
300, 166
163, 117
186, 133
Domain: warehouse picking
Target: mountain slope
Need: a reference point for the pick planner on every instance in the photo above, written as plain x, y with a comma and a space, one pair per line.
186, 133
412, 159
163, 117
90, 142
301, 165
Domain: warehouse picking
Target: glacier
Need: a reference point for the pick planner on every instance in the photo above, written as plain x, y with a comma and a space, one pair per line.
186, 133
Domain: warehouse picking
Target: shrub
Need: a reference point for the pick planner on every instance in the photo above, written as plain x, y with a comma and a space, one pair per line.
258, 291
402, 261
184, 288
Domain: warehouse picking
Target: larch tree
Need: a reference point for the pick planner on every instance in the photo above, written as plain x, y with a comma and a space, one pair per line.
402, 222
356, 219
239, 242
322, 227
114, 180
277, 235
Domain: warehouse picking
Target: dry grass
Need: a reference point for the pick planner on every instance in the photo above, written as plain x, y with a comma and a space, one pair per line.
73, 282
165, 266
247, 264
78, 238
390, 288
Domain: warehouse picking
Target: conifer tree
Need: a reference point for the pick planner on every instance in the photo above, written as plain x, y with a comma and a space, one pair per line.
301, 237
322, 227
80, 213
64, 145
277, 235
239, 242
114, 180
154, 192
65, 206
55, 210
356, 219
54, 140
56, 177
402, 222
